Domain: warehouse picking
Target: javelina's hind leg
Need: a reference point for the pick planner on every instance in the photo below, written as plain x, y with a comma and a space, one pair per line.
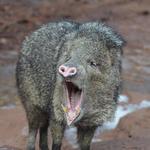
43, 137
85, 136
57, 131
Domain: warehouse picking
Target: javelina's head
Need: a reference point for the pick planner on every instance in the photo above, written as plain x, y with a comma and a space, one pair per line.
84, 69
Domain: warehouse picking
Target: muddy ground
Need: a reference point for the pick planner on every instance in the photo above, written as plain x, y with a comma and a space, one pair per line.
130, 18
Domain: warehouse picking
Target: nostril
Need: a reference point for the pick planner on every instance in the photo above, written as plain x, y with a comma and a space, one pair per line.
62, 69
73, 71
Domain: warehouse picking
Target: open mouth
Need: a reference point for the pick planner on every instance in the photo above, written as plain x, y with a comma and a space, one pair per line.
74, 97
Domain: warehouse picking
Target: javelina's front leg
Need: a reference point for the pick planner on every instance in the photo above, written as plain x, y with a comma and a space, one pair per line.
85, 135
33, 128
57, 131
43, 137
32, 138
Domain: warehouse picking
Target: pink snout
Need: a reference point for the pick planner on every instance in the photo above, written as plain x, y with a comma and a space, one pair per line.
67, 71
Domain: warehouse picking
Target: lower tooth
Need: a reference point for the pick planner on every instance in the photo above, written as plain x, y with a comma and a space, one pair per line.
77, 109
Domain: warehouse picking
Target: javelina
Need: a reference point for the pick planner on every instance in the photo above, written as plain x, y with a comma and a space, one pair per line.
69, 74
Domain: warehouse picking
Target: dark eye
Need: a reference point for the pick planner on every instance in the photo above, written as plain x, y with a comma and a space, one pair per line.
93, 64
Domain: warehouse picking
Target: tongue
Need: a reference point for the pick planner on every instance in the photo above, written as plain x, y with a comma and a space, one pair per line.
74, 100
73, 103
74, 110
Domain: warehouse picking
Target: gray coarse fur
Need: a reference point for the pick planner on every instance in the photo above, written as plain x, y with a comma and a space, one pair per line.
95, 50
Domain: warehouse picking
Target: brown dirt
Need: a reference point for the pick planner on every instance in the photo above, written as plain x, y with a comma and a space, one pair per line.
131, 18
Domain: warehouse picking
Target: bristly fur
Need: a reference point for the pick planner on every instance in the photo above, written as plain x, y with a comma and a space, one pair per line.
39, 83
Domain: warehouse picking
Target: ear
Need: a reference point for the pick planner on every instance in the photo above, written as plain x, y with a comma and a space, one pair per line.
108, 35
114, 40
